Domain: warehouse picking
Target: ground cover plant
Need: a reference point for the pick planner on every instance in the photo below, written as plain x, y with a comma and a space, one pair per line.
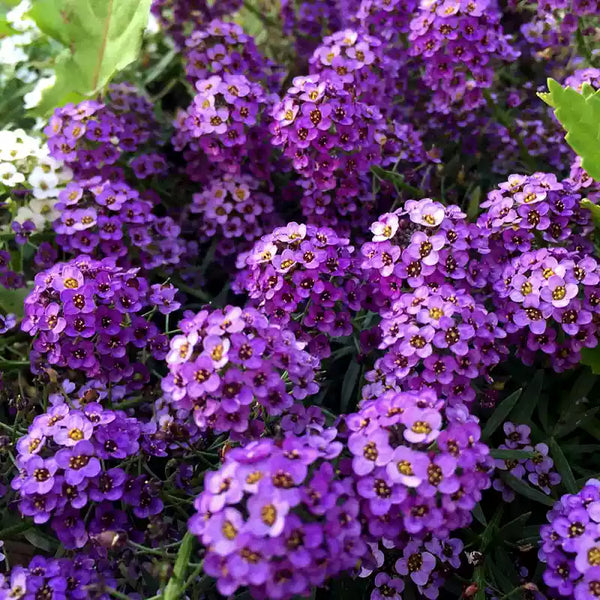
299, 299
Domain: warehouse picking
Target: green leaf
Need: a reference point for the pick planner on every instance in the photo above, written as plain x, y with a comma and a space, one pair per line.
101, 36
11, 301
349, 383
563, 467
499, 415
524, 489
585, 203
591, 358
529, 400
579, 114
506, 454
477, 513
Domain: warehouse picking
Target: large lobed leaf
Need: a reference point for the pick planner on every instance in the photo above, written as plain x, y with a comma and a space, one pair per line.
101, 38
579, 114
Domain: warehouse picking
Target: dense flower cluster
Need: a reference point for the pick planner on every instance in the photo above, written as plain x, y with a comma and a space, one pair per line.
90, 137
179, 17
222, 122
67, 578
226, 368
275, 518
329, 135
86, 315
439, 338
105, 218
419, 469
548, 295
303, 271
66, 461
456, 41
571, 544
234, 211
309, 20
423, 243
539, 469
356, 61
202, 400
223, 47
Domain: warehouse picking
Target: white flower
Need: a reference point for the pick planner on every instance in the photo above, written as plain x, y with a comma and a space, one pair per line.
9, 175
34, 97
43, 181
10, 53
45, 208
26, 214
16, 145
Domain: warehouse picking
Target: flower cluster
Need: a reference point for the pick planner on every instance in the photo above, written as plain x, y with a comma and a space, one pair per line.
456, 40
67, 461
109, 219
306, 272
67, 578
31, 176
222, 122
526, 207
90, 137
310, 20
440, 338
223, 47
423, 243
549, 298
328, 134
355, 61
386, 18
419, 469
276, 519
571, 544
234, 211
227, 365
178, 17
538, 468
85, 315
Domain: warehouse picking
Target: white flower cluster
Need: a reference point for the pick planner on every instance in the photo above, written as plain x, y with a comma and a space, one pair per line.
32, 178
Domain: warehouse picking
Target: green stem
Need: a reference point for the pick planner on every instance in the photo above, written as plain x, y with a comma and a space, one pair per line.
176, 584
116, 594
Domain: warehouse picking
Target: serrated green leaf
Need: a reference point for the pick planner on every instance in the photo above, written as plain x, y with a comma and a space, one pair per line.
562, 466
524, 489
499, 415
101, 36
579, 114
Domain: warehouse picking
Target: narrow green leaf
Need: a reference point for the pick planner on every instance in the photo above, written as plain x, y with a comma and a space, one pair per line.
515, 526
101, 38
529, 400
175, 586
594, 208
477, 513
500, 413
579, 114
506, 454
524, 489
348, 385
563, 467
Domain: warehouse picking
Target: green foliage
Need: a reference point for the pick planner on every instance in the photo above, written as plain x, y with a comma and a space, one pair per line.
579, 114
591, 358
11, 301
101, 38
